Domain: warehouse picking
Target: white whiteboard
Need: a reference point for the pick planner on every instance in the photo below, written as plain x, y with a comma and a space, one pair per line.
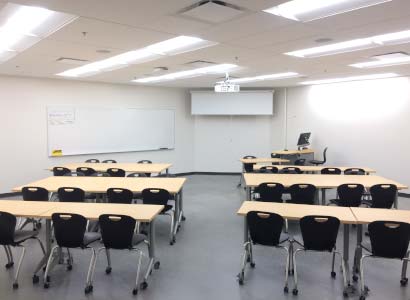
242, 103
86, 130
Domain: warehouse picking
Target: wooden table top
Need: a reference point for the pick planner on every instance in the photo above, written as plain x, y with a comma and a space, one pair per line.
316, 168
127, 167
293, 152
298, 211
367, 215
318, 180
91, 211
101, 184
263, 160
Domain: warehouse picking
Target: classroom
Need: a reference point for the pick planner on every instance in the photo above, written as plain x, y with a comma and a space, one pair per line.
204, 149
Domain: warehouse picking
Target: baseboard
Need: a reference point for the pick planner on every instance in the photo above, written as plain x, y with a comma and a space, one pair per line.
7, 195
404, 195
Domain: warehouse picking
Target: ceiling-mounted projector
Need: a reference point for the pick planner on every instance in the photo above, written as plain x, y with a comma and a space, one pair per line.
226, 86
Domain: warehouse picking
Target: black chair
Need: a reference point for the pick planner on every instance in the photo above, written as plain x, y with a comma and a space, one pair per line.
92, 160
389, 240
302, 193
33, 193
117, 232
331, 171
319, 234
248, 167
119, 195
160, 197
275, 156
70, 194
350, 195
60, 171
86, 171
110, 161
145, 161
300, 162
320, 162
70, 232
269, 192
290, 170
382, 196
264, 229
10, 237
355, 171
268, 169
115, 172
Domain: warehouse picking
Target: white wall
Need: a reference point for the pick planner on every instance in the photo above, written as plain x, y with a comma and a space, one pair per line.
23, 125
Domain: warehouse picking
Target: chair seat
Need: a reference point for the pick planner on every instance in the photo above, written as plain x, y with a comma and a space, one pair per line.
23, 235
90, 237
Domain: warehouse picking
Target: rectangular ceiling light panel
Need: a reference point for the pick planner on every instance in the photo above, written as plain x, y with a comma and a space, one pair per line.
277, 76
23, 26
309, 10
353, 78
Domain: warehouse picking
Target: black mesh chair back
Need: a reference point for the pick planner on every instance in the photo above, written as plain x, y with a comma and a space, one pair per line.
7, 228
383, 195
60, 171
389, 239
300, 162
137, 175
70, 194
92, 160
69, 229
354, 171
268, 169
155, 196
34, 193
110, 161
117, 231
264, 228
291, 170
74, 174
248, 167
118, 195
115, 172
350, 194
302, 193
270, 192
86, 171
319, 233
331, 171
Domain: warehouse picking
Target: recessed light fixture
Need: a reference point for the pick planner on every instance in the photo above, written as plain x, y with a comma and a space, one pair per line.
216, 69
276, 76
352, 78
180, 44
305, 10
23, 26
384, 60
394, 38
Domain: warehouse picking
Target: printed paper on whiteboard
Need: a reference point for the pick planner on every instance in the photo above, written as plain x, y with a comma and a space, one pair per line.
61, 116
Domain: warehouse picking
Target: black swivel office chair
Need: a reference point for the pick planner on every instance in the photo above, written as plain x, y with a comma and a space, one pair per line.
269, 192
9, 237
118, 195
302, 193
33, 193
320, 162
60, 171
389, 240
86, 171
382, 196
115, 172
70, 232
92, 160
319, 234
300, 162
350, 195
117, 232
290, 170
160, 197
110, 161
268, 169
355, 171
265, 229
331, 171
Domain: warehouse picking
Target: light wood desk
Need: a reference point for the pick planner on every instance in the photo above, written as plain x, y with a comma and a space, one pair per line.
298, 211
127, 167
293, 152
316, 169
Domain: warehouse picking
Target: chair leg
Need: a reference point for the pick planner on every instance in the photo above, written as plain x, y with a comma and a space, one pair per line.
363, 288
241, 274
88, 284
135, 290
49, 261
286, 226
250, 251
286, 288
108, 269
9, 255
171, 232
16, 275
342, 263
295, 274
333, 273
404, 279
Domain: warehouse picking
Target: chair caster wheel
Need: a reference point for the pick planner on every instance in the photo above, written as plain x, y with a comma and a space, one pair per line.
295, 292
144, 285
248, 259
69, 267
240, 278
44, 269
183, 218
286, 289
9, 265
404, 281
253, 265
88, 289
15, 286
46, 285
36, 279
345, 294
362, 297
156, 265
355, 278
333, 274
291, 272
135, 291
108, 270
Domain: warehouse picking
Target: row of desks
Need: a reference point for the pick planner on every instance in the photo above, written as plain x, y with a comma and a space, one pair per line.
127, 167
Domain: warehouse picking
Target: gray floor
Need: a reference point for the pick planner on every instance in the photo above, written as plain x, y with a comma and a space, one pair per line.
204, 262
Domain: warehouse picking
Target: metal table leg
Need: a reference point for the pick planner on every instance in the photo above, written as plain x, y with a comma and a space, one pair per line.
323, 196
43, 261
346, 229
248, 193
358, 251
396, 198
152, 263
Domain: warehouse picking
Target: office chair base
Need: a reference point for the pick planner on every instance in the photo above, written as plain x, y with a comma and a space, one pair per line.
144, 285
404, 281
